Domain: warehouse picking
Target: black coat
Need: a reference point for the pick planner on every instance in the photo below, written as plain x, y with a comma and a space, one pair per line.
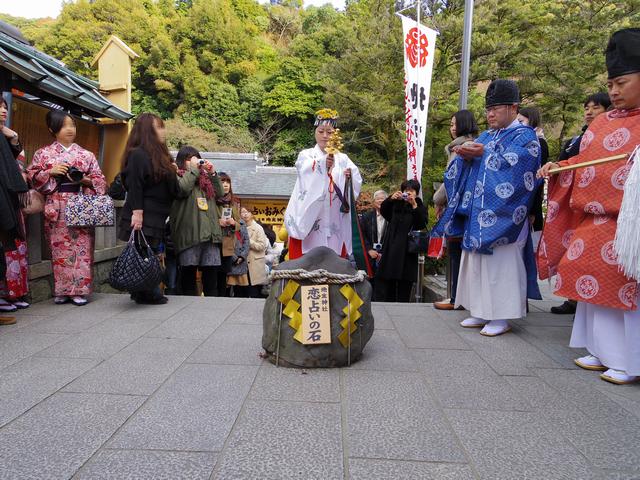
536, 210
571, 148
148, 194
396, 262
11, 185
369, 225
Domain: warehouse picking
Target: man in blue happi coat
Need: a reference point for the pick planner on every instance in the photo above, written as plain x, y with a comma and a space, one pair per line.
491, 185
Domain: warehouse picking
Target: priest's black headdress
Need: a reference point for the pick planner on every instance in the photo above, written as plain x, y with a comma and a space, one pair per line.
502, 92
623, 52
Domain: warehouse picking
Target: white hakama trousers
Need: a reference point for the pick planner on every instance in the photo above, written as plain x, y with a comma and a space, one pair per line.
610, 334
494, 287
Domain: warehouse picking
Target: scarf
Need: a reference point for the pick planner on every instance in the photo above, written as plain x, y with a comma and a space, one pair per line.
204, 183
225, 200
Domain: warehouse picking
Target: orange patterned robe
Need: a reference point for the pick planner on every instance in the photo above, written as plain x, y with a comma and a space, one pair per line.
583, 207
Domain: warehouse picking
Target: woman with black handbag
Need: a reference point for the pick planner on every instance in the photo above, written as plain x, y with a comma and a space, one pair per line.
60, 172
150, 178
398, 265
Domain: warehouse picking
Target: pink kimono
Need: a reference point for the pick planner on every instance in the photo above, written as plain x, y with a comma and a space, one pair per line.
15, 285
71, 248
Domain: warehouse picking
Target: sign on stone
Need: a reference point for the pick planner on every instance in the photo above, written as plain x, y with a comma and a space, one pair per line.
316, 323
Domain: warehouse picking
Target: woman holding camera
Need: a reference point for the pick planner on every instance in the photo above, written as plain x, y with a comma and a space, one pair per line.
195, 225
397, 267
59, 171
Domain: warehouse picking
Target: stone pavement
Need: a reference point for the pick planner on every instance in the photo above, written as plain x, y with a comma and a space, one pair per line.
116, 390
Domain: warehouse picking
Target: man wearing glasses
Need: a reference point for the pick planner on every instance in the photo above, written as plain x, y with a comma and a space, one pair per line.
491, 185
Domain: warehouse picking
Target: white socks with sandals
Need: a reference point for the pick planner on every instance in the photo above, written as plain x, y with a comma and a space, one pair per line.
491, 328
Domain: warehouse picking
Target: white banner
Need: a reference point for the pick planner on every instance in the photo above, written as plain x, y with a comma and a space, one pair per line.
419, 50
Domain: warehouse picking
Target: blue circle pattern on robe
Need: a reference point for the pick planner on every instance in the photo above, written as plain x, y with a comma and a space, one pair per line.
490, 196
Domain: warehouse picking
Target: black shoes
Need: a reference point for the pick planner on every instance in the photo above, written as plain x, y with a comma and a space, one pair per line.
143, 299
567, 308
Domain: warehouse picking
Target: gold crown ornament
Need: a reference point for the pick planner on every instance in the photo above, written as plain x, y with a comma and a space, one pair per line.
334, 144
326, 115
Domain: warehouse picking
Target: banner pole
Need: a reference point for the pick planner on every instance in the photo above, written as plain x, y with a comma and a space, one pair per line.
466, 54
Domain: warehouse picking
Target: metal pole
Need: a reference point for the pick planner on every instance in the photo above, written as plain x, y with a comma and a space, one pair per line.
419, 281
466, 54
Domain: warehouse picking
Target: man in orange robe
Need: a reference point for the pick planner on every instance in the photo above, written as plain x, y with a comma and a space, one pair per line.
583, 207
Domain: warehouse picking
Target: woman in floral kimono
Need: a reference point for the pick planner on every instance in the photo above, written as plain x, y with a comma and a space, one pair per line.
52, 172
14, 286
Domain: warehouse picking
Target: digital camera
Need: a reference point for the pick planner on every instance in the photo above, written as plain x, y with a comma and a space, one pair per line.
75, 174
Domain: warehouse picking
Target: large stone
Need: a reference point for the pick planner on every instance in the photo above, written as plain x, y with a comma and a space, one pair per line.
293, 353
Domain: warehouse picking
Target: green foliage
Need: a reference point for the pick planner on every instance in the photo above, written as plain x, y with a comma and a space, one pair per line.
289, 143
238, 75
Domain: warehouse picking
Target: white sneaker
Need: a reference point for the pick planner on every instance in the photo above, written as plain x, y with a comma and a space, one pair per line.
473, 322
590, 362
618, 377
495, 328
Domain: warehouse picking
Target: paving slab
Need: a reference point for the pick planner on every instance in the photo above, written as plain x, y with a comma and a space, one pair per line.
56, 437
193, 411
296, 385
420, 332
508, 445
381, 318
247, 311
507, 354
189, 324
139, 369
27, 383
147, 465
367, 469
19, 345
385, 351
488, 393
231, 344
284, 440
464, 364
103, 340
391, 415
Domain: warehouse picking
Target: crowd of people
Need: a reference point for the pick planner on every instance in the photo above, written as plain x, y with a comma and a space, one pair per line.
490, 210
491, 205
185, 210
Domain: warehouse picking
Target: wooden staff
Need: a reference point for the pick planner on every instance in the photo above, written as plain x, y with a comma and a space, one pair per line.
589, 163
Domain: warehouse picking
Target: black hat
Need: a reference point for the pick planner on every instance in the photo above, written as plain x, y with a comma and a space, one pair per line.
502, 92
623, 52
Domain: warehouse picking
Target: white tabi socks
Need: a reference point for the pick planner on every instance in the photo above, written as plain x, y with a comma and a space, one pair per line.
495, 327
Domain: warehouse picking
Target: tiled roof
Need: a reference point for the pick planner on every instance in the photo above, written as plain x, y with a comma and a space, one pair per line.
52, 77
251, 178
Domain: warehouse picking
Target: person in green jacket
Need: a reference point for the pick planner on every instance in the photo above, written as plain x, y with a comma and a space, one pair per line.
195, 222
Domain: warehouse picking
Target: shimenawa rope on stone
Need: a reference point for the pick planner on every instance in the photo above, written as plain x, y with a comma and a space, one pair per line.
318, 276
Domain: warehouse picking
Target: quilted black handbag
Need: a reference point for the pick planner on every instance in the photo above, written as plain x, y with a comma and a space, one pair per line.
137, 268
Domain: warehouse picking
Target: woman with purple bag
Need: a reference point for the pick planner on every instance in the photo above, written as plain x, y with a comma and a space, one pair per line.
61, 171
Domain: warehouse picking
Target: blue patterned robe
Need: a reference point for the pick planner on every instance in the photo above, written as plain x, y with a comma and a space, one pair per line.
490, 196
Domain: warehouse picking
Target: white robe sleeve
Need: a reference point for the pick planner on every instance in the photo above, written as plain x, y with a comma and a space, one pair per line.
309, 193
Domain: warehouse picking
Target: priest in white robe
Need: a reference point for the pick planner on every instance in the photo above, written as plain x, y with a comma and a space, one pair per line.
315, 215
